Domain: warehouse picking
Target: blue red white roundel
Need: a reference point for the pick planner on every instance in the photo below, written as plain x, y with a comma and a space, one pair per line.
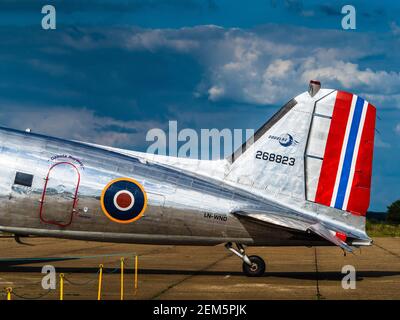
123, 200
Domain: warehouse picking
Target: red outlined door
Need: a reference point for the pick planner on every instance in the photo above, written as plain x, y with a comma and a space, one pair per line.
60, 194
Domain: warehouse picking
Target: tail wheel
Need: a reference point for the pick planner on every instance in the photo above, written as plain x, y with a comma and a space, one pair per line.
257, 267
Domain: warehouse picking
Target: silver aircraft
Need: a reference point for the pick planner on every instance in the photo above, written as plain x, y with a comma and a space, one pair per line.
303, 179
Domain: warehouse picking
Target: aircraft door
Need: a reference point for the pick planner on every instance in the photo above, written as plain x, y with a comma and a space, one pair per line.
60, 194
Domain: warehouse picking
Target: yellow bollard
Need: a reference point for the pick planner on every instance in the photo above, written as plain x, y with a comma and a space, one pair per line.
9, 291
136, 272
61, 286
122, 278
100, 282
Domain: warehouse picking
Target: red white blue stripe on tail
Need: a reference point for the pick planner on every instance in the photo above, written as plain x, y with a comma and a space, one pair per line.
345, 175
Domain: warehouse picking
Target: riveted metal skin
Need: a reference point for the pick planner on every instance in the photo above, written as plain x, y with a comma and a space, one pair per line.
182, 207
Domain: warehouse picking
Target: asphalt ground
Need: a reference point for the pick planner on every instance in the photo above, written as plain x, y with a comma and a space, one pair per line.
187, 272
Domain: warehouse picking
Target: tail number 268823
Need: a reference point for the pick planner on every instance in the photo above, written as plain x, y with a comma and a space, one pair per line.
273, 157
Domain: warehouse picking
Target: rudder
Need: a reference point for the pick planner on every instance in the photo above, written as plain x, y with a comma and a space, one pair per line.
342, 169
317, 148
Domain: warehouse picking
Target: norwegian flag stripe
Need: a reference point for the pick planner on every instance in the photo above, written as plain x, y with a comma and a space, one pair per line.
348, 155
344, 175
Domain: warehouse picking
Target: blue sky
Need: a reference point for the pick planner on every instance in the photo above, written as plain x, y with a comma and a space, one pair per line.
112, 69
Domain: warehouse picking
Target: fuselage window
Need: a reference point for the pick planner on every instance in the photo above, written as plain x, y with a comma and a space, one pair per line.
23, 179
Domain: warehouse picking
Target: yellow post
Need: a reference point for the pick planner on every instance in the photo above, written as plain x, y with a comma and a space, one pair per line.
9, 291
122, 278
61, 286
136, 272
100, 282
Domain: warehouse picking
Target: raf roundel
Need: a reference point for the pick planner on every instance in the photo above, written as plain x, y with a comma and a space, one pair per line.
123, 200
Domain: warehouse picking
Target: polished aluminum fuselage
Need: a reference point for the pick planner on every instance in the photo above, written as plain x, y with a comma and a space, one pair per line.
183, 208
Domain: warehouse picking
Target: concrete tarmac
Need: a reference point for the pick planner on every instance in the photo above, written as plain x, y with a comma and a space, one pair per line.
186, 272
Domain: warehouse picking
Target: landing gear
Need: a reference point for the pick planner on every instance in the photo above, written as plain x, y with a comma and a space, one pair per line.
253, 266
257, 267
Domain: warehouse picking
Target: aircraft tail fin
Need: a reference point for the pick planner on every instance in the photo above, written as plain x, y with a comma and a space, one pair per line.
318, 147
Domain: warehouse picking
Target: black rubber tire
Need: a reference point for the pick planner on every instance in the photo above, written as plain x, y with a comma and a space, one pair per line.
257, 269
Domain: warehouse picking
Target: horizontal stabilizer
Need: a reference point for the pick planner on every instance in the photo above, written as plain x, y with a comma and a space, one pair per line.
329, 235
274, 219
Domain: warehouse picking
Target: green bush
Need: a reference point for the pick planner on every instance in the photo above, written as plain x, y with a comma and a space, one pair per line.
393, 211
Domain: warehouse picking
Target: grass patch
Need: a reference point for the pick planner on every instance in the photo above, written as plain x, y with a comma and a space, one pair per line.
382, 229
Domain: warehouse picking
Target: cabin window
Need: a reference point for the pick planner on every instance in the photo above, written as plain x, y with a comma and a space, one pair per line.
23, 179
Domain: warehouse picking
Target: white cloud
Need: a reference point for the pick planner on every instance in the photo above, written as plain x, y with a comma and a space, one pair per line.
50, 68
263, 72
215, 92
397, 129
77, 124
278, 69
350, 76
262, 68
395, 28
381, 100
379, 143
267, 65
156, 39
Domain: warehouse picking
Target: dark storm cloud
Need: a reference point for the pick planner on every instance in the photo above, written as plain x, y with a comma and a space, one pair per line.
294, 5
330, 10
123, 6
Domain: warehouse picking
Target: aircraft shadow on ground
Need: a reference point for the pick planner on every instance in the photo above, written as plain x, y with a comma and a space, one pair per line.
311, 275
